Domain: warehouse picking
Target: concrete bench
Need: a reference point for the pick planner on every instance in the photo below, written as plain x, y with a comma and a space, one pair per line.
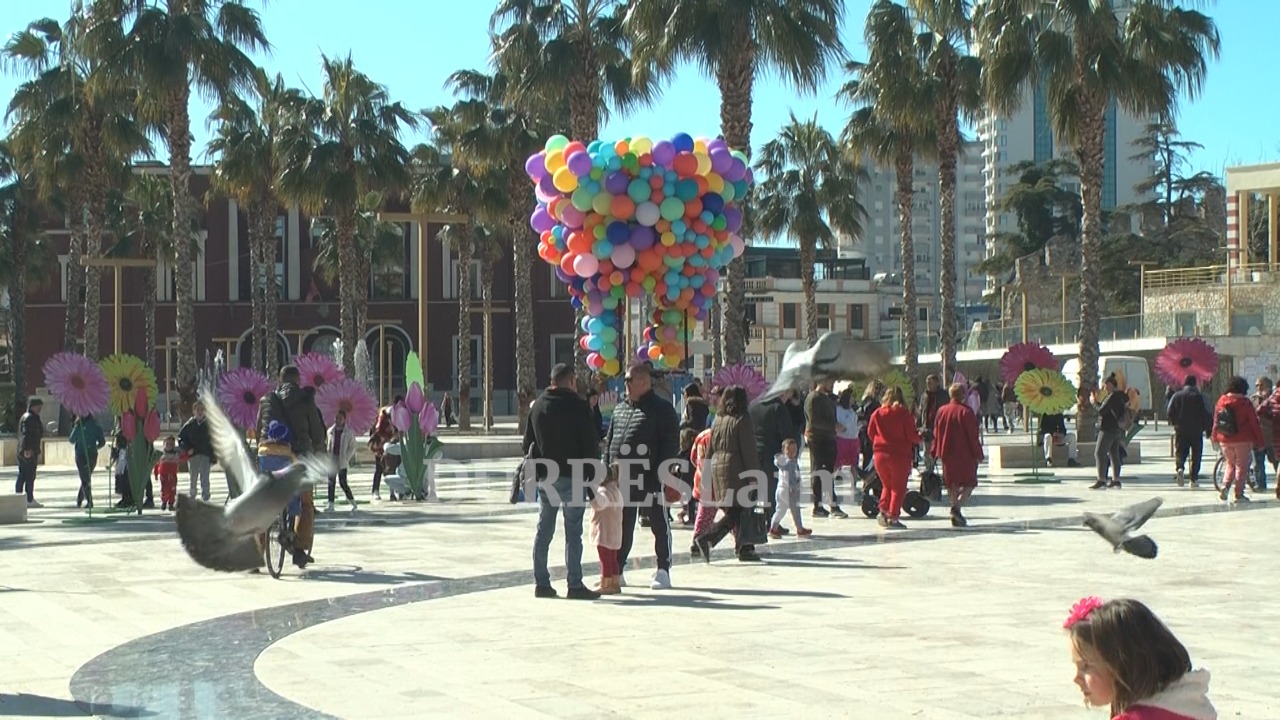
1021, 455
13, 509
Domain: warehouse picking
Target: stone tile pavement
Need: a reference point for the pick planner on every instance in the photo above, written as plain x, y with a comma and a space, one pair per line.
425, 609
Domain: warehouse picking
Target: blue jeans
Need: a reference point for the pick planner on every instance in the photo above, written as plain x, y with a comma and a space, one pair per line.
272, 463
574, 508
1260, 460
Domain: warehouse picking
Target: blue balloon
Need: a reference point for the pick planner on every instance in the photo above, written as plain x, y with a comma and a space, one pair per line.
576, 303
618, 232
712, 203
682, 142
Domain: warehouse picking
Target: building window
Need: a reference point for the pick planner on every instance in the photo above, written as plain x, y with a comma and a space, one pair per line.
857, 317
561, 349
559, 290
1185, 323
451, 284
474, 371
824, 316
789, 316
282, 254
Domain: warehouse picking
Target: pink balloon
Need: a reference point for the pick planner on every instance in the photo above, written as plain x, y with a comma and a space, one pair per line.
586, 265
738, 245
623, 256
572, 217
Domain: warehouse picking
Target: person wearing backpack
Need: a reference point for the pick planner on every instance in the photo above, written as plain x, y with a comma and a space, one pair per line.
1188, 413
1237, 431
1111, 430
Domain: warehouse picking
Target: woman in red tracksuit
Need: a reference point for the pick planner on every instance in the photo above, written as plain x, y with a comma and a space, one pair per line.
893, 434
1238, 446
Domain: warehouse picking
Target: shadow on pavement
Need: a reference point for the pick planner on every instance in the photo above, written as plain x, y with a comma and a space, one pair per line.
1015, 501
356, 575
25, 705
700, 602
770, 593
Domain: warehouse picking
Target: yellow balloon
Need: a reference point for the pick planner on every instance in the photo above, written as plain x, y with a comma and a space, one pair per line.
611, 367
704, 163
564, 180
554, 161
700, 146
601, 202
715, 183
668, 239
641, 145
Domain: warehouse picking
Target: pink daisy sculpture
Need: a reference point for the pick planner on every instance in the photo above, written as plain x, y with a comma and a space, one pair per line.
1023, 357
1186, 356
77, 382
239, 391
741, 374
317, 369
349, 396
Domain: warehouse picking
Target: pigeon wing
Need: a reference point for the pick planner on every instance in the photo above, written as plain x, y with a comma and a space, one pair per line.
232, 454
210, 542
796, 366
318, 468
255, 510
1111, 531
1142, 546
1135, 516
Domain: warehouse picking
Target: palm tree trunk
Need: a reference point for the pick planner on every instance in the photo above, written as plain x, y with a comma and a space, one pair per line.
266, 219
904, 166
488, 258
465, 247
75, 274
257, 285
522, 251
736, 76
808, 253
717, 347
361, 300
183, 238
1090, 152
949, 147
349, 284
18, 313
147, 250
97, 218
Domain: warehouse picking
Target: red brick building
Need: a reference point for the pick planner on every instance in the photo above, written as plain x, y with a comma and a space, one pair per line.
308, 308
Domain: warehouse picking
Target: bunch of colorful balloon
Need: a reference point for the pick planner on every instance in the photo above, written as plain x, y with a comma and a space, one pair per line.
638, 217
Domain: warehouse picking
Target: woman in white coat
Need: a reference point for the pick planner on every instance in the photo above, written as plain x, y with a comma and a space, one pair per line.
342, 444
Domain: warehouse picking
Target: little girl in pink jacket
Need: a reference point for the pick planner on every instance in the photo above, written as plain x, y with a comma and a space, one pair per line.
606, 532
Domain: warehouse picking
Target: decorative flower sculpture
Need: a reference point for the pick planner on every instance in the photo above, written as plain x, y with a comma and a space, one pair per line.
126, 374
349, 396
895, 378
140, 425
77, 382
1044, 392
1186, 356
316, 370
239, 392
418, 419
741, 374
1023, 357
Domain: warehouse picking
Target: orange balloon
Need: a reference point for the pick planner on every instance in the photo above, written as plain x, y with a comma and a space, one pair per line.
579, 242
566, 263
622, 207
547, 237
686, 165
702, 185
662, 226
693, 208
707, 252
616, 278
621, 147
655, 352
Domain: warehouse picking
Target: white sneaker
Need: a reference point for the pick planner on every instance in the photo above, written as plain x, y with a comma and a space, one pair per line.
661, 581
377, 495
354, 505
622, 580
328, 507
34, 504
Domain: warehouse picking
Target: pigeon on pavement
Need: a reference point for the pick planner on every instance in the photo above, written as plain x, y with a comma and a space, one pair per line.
836, 356
225, 538
1117, 529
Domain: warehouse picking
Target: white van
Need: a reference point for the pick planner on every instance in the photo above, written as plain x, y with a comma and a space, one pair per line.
1136, 371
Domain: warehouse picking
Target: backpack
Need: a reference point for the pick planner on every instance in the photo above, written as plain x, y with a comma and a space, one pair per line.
1225, 421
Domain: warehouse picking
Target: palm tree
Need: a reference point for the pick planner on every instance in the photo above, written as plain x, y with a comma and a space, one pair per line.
81, 138
167, 49
732, 42
502, 135
953, 80
893, 125
489, 244
810, 194
572, 53
335, 151
146, 226
245, 145
1089, 56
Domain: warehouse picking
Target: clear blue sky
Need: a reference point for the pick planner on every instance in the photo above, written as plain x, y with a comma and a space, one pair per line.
411, 46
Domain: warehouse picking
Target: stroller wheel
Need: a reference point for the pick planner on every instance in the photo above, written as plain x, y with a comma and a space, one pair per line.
916, 504
870, 505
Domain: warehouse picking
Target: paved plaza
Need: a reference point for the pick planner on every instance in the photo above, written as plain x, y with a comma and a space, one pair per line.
427, 610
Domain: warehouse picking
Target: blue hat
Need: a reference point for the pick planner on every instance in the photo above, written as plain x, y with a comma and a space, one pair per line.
278, 431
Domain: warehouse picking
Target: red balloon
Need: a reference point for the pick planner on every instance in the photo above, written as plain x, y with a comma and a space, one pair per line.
566, 263
575, 146
686, 165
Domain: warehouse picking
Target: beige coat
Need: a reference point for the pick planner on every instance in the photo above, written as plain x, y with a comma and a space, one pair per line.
606, 517
733, 452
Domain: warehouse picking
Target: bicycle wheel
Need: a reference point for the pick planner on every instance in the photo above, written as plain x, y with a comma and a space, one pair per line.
274, 549
1219, 467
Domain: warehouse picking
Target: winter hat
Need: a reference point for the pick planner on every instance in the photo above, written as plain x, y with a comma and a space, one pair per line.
278, 431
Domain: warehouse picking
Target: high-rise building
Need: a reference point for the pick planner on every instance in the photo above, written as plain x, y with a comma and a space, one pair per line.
881, 243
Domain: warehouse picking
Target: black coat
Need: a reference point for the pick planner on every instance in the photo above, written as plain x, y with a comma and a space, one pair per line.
561, 428
295, 407
1189, 412
696, 412
31, 432
650, 423
194, 437
773, 423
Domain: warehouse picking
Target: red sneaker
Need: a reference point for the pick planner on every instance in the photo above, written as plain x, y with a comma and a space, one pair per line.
804, 532
775, 532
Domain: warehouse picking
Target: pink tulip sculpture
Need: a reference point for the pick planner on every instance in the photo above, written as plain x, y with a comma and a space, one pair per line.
140, 426
417, 418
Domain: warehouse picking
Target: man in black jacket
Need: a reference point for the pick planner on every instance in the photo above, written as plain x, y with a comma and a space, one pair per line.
1192, 421
560, 430
293, 407
193, 439
773, 424
643, 437
30, 445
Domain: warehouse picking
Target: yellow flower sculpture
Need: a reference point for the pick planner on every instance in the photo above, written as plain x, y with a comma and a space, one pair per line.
1044, 391
125, 374
895, 378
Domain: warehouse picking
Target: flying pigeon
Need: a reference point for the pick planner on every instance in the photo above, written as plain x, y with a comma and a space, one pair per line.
225, 538
835, 356
1117, 528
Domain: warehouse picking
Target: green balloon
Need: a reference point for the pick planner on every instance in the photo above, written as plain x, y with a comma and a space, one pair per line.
601, 202
639, 190
582, 198
672, 209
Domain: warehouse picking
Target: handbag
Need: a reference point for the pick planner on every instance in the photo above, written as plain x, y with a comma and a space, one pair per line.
753, 528
520, 478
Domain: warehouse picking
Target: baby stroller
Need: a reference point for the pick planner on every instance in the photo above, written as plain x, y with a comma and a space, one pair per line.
916, 503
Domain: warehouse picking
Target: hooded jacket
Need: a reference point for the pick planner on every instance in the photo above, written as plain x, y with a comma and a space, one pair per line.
31, 431
294, 407
696, 411
1186, 698
1247, 428
648, 429
560, 429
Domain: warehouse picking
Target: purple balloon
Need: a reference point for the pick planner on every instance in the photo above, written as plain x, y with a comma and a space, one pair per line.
643, 237
536, 165
663, 153
541, 220
579, 164
616, 183
642, 353
548, 187
751, 176
736, 170
572, 216
561, 275
732, 218
717, 144
721, 159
